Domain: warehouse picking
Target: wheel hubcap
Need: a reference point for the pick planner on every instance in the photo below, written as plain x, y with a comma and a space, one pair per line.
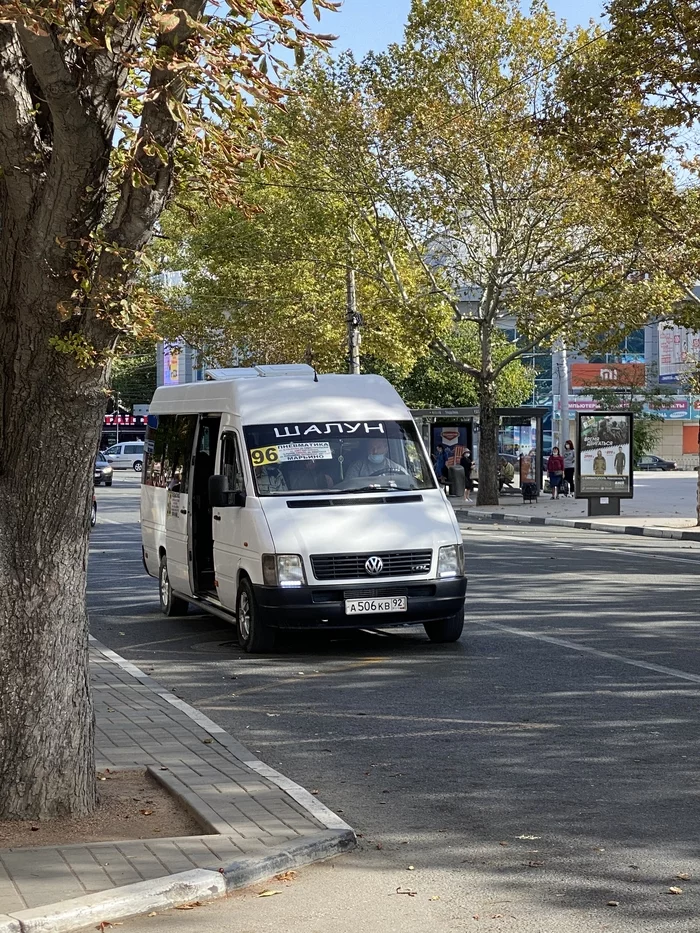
244, 616
164, 586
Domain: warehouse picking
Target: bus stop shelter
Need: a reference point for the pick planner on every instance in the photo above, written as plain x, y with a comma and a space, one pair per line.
519, 434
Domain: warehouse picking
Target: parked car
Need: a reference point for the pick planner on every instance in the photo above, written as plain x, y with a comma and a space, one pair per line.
104, 472
126, 456
93, 512
652, 462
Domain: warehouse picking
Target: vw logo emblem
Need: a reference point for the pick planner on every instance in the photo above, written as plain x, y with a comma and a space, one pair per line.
374, 565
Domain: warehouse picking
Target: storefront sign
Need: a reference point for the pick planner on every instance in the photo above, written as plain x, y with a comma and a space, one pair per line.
607, 374
604, 455
123, 420
677, 409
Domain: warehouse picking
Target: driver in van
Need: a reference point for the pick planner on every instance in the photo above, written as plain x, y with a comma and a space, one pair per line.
375, 462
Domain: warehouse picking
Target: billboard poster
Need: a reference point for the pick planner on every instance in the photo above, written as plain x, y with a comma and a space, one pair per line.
679, 351
453, 438
171, 363
604, 455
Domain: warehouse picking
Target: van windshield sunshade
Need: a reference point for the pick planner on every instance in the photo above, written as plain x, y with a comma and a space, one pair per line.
328, 503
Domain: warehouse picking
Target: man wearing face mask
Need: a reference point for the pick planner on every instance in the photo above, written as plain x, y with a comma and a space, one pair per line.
375, 462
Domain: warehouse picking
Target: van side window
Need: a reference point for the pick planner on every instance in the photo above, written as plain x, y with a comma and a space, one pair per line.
168, 464
231, 463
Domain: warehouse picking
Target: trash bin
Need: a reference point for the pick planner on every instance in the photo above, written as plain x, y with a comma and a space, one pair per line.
456, 481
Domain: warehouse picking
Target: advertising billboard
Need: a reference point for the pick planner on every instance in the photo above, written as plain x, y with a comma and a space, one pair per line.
604, 455
679, 351
171, 363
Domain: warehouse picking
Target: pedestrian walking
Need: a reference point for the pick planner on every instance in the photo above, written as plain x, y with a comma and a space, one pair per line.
467, 463
570, 465
555, 468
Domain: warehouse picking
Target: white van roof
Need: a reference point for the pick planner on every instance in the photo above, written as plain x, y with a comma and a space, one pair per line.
291, 396
247, 372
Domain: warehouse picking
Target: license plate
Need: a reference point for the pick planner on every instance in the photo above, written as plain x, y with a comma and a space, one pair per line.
354, 607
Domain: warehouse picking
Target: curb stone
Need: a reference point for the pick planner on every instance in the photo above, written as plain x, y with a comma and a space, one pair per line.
647, 531
201, 885
75, 914
118, 903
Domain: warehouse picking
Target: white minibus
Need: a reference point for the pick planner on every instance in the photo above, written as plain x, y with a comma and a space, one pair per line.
283, 499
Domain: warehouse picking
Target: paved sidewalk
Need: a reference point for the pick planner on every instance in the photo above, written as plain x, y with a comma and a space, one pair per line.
663, 507
251, 816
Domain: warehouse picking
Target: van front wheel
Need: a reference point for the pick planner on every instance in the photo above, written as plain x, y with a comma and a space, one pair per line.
254, 636
170, 605
445, 630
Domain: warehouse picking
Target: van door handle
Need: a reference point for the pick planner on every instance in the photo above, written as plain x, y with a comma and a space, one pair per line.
217, 518
183, 511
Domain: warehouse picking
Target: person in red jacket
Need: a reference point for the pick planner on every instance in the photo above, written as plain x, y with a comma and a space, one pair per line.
555, 468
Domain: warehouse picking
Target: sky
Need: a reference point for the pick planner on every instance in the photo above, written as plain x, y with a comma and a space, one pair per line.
364, 25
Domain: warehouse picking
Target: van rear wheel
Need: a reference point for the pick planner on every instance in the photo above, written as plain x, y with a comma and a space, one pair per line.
446, 630
170, 605
254, 636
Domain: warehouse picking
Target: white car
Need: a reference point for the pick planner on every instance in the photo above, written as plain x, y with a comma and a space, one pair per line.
126, 456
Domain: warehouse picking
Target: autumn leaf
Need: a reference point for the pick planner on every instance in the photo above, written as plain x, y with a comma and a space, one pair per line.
286, 876
146, 812
675, 890
269, 893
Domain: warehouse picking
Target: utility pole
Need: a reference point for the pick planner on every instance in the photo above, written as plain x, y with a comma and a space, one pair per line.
564, 395
353, 320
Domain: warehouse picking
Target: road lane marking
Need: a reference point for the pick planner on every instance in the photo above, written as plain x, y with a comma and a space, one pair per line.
596, 652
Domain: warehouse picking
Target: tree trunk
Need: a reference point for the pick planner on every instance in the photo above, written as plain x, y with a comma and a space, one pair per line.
488, 444
51, 416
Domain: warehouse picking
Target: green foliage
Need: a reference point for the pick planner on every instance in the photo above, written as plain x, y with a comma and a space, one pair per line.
434, 383
141, 102
133, 378
267, 282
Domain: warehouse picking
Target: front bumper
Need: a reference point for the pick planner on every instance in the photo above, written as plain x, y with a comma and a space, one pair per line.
323, 607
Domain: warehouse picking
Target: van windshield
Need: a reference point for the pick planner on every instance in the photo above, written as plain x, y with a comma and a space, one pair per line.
313, 458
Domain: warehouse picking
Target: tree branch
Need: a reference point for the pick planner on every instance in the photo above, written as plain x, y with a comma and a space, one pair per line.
139, 207
448, 354
20, 142
69, 210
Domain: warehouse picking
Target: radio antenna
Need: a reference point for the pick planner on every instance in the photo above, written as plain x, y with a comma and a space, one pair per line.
310, 360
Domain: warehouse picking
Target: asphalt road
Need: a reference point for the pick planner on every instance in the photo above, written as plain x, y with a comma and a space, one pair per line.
542, 767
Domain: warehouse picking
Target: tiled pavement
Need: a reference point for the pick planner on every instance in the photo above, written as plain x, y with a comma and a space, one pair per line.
239, 801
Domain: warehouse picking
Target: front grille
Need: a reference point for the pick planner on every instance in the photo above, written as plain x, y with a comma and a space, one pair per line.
352, 566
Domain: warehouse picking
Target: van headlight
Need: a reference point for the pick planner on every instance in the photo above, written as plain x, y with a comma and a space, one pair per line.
283, 570
107, 469
451, 561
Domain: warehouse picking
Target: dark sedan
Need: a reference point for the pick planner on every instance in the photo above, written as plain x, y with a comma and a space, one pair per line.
652, 462
103, 471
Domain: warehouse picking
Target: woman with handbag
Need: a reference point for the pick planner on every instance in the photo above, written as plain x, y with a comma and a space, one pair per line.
555, 468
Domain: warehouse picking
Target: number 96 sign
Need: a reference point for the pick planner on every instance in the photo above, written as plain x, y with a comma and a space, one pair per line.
262, 455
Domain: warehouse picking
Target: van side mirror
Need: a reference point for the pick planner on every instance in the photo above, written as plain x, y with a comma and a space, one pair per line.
221, 497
